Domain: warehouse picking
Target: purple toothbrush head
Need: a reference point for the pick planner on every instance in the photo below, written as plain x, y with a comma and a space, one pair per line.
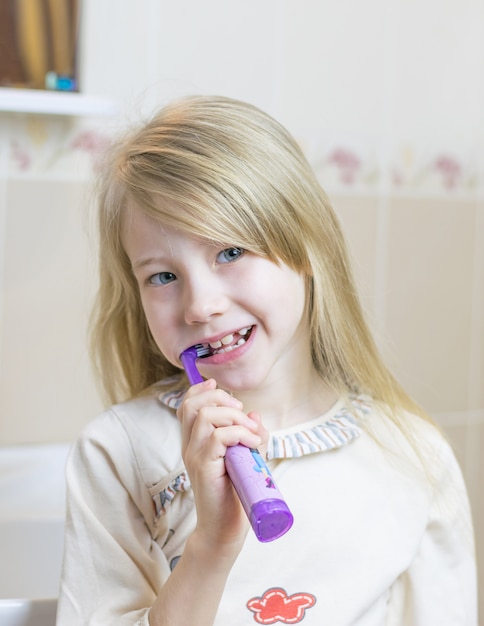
188, 358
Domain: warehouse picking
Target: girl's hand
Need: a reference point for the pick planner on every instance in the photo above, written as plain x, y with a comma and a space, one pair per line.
211, 421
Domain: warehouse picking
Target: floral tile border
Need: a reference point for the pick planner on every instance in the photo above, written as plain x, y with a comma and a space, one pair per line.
54, 146
349, 166
50, 146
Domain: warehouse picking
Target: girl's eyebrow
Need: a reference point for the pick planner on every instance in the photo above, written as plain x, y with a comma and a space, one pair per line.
148, 261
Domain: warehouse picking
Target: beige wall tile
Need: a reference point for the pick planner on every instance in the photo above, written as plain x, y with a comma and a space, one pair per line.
358, 216
456, 434
46, 391
477, 345
429, 298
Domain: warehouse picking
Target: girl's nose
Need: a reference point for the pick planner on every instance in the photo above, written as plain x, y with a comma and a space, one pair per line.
203, 301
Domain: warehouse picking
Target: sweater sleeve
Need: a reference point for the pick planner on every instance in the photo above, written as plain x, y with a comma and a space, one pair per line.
440, 585
113, 567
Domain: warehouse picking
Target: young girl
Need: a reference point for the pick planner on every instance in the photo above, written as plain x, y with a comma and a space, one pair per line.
215, 232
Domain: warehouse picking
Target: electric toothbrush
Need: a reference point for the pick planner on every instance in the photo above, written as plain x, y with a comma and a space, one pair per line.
262, 501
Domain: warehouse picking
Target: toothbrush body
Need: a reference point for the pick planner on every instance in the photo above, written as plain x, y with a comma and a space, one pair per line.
262, 501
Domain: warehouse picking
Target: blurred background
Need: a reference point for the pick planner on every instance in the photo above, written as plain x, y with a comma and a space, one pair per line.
386, 97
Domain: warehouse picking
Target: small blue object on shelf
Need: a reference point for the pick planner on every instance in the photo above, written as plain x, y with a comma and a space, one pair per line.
55, 82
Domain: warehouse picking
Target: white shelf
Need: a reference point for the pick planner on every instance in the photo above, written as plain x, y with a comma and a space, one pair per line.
54, 103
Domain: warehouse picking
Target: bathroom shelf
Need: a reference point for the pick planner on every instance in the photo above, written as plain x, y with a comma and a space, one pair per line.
54, 103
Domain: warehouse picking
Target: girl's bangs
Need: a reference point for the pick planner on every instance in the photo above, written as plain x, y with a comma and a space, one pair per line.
213, 217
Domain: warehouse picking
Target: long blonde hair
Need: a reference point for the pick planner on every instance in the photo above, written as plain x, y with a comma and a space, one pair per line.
225, 171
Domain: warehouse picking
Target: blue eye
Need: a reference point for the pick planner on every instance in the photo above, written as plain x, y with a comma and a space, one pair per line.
162, 278
229, 255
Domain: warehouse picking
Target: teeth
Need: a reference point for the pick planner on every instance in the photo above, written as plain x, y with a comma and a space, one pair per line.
223, 344
227, 339
240, 342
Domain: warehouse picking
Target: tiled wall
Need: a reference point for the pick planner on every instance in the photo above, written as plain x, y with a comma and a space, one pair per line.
46, 280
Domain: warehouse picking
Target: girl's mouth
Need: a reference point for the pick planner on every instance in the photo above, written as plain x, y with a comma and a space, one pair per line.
229, 342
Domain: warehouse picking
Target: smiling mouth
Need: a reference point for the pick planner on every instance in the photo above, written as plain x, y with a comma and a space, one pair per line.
230, 342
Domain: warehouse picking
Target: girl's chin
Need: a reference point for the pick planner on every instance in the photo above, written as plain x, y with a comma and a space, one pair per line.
237, 380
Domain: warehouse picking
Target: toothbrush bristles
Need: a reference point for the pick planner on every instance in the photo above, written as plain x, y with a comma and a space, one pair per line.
202, 350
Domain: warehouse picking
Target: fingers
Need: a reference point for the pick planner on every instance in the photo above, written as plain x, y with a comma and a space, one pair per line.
198, 396
211, 413
212, 420
262, 432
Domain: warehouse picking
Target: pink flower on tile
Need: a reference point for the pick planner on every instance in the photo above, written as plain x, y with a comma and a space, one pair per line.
90, 141
276, 606
21, 156
347, 162
397, 177
450, 170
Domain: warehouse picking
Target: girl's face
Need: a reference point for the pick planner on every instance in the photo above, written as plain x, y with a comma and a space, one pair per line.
248, 310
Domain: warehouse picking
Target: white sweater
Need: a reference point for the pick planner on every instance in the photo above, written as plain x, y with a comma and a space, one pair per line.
376, 540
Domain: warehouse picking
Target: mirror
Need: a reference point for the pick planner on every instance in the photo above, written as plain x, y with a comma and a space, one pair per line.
39, 44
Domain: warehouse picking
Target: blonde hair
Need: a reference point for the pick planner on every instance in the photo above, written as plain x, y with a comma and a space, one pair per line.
225, 171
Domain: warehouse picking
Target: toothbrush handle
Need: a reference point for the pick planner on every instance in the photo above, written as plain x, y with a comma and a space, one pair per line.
262, 501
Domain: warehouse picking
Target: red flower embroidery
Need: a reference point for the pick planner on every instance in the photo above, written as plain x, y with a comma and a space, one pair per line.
276, 606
